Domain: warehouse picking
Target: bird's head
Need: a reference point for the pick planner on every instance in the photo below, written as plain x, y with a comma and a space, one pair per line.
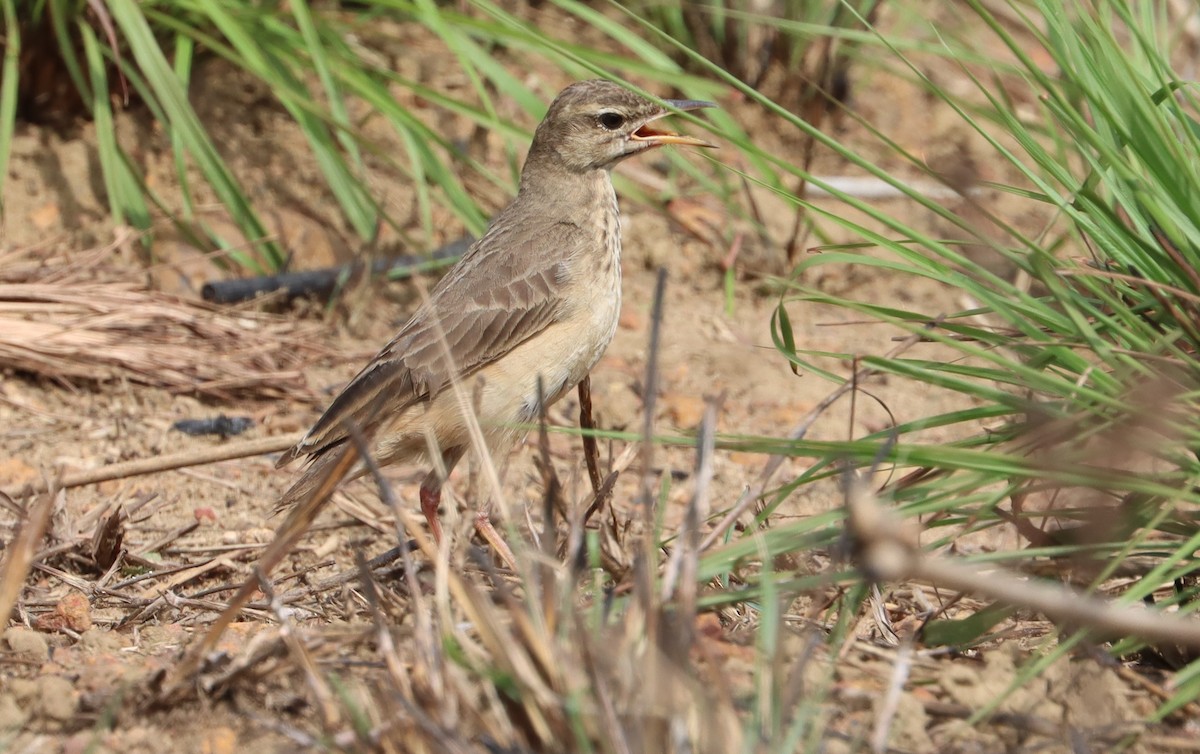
593, 125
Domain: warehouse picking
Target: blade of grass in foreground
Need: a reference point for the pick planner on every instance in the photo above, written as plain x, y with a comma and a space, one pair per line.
170, 94
9, 74
125, 193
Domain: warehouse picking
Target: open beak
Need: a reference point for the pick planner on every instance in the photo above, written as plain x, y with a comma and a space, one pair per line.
656, 138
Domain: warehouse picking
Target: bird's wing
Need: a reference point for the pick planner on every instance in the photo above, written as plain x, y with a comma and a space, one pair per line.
483, 309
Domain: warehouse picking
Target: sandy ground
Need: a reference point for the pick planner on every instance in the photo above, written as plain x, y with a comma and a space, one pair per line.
57, 687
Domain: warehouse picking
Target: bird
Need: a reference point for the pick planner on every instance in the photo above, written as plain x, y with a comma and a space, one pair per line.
520, 320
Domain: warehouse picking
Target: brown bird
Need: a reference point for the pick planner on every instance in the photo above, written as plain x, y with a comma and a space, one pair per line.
537, 296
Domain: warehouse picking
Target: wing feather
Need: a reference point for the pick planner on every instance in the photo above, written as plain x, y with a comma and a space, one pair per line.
478, 329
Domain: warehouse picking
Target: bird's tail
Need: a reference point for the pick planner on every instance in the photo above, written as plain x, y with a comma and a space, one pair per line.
312, 477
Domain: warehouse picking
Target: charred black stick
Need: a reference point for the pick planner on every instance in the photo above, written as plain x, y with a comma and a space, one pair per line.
323, 282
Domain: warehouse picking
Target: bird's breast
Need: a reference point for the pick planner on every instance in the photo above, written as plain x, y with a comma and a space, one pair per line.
562, 354
600, 309
600, 290
569, 349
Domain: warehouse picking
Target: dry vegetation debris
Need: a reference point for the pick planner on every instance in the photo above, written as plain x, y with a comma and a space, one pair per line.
97, 321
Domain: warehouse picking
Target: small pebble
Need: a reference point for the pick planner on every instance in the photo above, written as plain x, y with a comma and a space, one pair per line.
27, 642
57, 698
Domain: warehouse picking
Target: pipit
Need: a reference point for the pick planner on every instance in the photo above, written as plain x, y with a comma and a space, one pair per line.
536, 299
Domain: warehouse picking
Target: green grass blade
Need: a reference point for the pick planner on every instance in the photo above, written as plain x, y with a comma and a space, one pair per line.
171, 96
9, 79
125, 193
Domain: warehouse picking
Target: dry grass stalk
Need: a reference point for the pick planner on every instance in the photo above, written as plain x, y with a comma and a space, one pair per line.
22, 551
94, 319
591, 450
517, 681
297, 522
887, 550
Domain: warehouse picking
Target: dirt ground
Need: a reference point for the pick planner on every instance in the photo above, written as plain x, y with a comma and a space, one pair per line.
65, 665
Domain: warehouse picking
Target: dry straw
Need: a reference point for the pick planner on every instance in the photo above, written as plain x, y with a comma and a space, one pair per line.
99, 321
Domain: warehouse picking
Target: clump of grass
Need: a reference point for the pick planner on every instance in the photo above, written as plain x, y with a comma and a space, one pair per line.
793, 52
75, 59
327, 67
1080, 373
99, 322
566, 660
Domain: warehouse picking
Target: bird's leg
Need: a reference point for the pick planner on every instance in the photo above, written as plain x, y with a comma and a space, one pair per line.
431, 499
483, 525
431, 490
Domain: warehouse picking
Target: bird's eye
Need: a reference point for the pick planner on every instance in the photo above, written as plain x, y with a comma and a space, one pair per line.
611, 121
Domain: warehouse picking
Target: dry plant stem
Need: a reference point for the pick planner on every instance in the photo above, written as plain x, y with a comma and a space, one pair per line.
478, 444
142, 466
795, 691
591, 449
289, 532
887, 549
601, 687
606, 487
1133, 280
760, 225
388, 496
20, 553
190, 573
387, 647
426, 642
324, 696
891, 701
647, 497
551, 495
168, 538
683, 565
800, 229
488, 626
650, 392
680, 576
1173, 252
774, 462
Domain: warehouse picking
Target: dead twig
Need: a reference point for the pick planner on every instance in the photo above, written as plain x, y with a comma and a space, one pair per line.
591, 450
143, 466
606, 487
683, 564
887, 549
891, 700
645, 558
325, 699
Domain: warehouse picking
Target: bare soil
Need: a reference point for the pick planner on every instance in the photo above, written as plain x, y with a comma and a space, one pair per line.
66, 665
